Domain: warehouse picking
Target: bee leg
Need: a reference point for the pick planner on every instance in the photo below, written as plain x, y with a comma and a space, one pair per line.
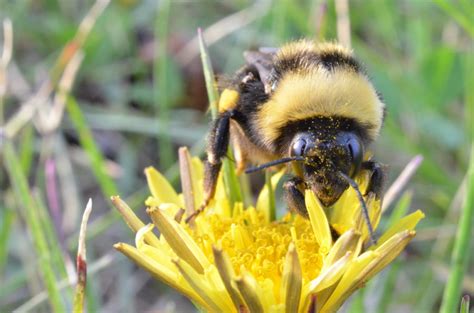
240, 155
294, 197
377, 177
218, 143
240, 160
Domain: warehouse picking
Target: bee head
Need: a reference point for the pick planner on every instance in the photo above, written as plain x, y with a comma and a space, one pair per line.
325, 157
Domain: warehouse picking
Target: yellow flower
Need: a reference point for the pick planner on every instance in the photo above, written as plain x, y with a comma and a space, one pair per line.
237, 260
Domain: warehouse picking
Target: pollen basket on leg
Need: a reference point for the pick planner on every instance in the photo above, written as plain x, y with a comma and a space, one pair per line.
228, 100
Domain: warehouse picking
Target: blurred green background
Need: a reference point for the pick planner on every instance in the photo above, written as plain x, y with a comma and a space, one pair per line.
139, 94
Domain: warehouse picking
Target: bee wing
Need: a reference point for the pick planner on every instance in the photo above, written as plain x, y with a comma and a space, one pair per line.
263, 62
268, 50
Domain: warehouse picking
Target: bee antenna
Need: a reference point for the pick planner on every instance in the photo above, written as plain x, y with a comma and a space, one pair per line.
363, 205
273, 163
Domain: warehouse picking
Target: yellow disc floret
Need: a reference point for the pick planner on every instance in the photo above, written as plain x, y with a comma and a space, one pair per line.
238, 260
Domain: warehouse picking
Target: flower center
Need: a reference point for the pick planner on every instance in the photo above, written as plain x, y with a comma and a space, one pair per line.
259, 247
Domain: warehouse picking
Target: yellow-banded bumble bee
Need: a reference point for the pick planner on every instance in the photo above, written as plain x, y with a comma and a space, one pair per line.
307, 103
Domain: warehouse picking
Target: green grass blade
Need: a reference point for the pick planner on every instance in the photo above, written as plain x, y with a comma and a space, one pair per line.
469, 93
7, 218
160, 80
210, 80
56, 252
465, 303
461, 251
27, 147
457, 15
29, 212
107, 185
280, 16
230, 178
401, 209
144, 126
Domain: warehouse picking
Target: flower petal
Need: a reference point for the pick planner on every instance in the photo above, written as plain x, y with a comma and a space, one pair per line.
226, 273
319, 222
248, 289
373, 262
389, 250
151, 201
187, 185
197, 169
200, 286
349, 241
179, 240
160, 187
291, 280
133, 221
359, 221
158, 271
406, 223
349, 280
266, 293
330, 275
169, 209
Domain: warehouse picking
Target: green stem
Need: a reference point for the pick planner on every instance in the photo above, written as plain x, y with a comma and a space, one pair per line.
56, 252
212, 92
271, 196
461, 251
26, 148
8, 217
456, 14
107, 185
465, 304
30, 214
469, 94
247, 197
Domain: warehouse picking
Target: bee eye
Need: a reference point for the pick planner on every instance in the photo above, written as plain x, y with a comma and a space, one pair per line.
356, 152
298, 147
302, 145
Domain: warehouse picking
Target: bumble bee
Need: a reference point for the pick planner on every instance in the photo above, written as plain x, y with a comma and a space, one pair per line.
307, 103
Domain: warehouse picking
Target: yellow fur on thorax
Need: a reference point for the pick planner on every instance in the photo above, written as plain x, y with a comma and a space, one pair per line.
302, 46
318, 92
